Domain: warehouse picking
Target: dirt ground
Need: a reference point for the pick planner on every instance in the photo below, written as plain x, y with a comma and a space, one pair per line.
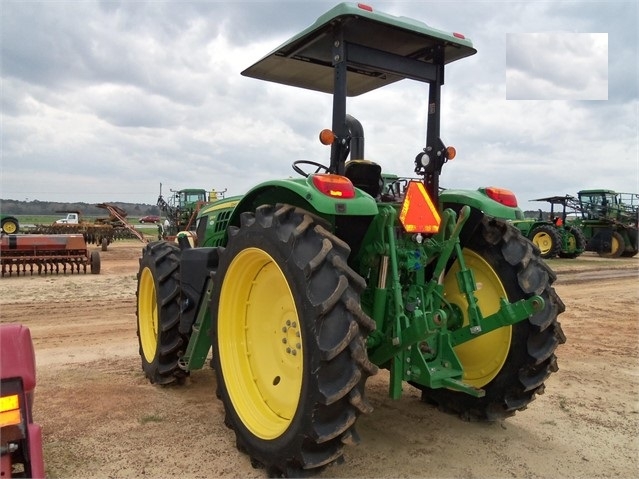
102, 419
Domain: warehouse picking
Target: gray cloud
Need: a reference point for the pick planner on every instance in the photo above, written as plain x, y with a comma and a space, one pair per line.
551, 66
102, 101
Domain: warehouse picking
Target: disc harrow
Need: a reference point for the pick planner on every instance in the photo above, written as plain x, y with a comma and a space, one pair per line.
46, 254
93, 234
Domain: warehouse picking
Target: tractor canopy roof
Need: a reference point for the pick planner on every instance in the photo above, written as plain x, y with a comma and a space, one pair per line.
557, 199
596, 192
191, 191
383, 49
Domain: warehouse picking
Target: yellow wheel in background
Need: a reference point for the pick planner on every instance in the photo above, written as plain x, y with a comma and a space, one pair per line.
617, 246
543, 241
9, 226
547, 239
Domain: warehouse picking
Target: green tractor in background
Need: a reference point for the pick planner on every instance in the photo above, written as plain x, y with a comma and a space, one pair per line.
554, 237
304, 287
182, 208
608, 220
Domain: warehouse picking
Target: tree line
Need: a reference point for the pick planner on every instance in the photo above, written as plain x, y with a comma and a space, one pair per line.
36, 207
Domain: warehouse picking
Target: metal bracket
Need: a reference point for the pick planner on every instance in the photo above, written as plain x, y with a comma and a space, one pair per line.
199, 344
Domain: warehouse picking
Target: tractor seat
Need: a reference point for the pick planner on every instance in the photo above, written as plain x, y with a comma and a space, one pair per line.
365, 175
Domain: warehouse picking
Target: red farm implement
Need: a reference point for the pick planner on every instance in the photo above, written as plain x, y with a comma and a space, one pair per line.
47, 254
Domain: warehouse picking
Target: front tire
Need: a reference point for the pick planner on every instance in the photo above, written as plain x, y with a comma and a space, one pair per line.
95, 262
577, 243
158, 313
289, 339
510, 363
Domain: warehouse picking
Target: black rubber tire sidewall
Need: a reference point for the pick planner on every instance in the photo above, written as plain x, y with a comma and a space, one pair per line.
162, 260
530, 359
286, 454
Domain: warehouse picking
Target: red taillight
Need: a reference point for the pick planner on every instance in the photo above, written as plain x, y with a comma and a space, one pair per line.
335, 186
363, 6
502, 195
459, 35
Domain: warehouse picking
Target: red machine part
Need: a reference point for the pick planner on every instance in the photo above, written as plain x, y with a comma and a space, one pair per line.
20, 437
46, 254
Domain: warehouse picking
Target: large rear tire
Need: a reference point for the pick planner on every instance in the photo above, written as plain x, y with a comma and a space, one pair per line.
510, 363
158, 313
617, 246
288, 335
547, 239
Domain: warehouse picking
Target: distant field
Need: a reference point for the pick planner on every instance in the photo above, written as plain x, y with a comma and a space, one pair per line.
49, 219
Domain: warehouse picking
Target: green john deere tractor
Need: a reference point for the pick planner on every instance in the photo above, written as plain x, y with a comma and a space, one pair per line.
304, 287
554, 236
180, 209
609, 221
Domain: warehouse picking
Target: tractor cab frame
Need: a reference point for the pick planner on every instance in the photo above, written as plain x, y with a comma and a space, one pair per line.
351, 50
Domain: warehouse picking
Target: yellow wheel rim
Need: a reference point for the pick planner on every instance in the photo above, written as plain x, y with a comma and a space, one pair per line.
148, 315
543, 241
614, 245
571, 242
9, 227
260, 343
484, 356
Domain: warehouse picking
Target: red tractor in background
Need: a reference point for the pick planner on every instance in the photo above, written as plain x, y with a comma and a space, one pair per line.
20, 438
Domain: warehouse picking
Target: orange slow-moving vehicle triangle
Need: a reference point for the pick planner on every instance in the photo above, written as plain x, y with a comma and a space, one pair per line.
418, 214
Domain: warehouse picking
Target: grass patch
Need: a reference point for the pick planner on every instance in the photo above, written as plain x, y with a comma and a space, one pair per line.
151, 418
563, 404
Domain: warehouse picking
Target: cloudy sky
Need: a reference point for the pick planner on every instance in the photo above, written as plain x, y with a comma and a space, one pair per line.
104, 100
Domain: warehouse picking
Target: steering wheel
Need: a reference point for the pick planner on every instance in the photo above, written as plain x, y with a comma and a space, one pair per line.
319, 167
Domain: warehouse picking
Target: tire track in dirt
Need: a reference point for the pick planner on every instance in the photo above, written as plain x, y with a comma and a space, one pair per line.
101, 418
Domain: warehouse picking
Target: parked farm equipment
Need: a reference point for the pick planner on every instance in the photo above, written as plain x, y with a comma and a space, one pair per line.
182, 208
554, 236
608, 220
20, 438
72, 224
304, 287
101, 231
46, 254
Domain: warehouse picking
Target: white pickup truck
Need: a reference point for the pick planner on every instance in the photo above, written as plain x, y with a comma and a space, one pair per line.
71, 219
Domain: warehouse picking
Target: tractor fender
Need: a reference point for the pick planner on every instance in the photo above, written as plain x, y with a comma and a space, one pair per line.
477, 200
302, 193
17, 356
